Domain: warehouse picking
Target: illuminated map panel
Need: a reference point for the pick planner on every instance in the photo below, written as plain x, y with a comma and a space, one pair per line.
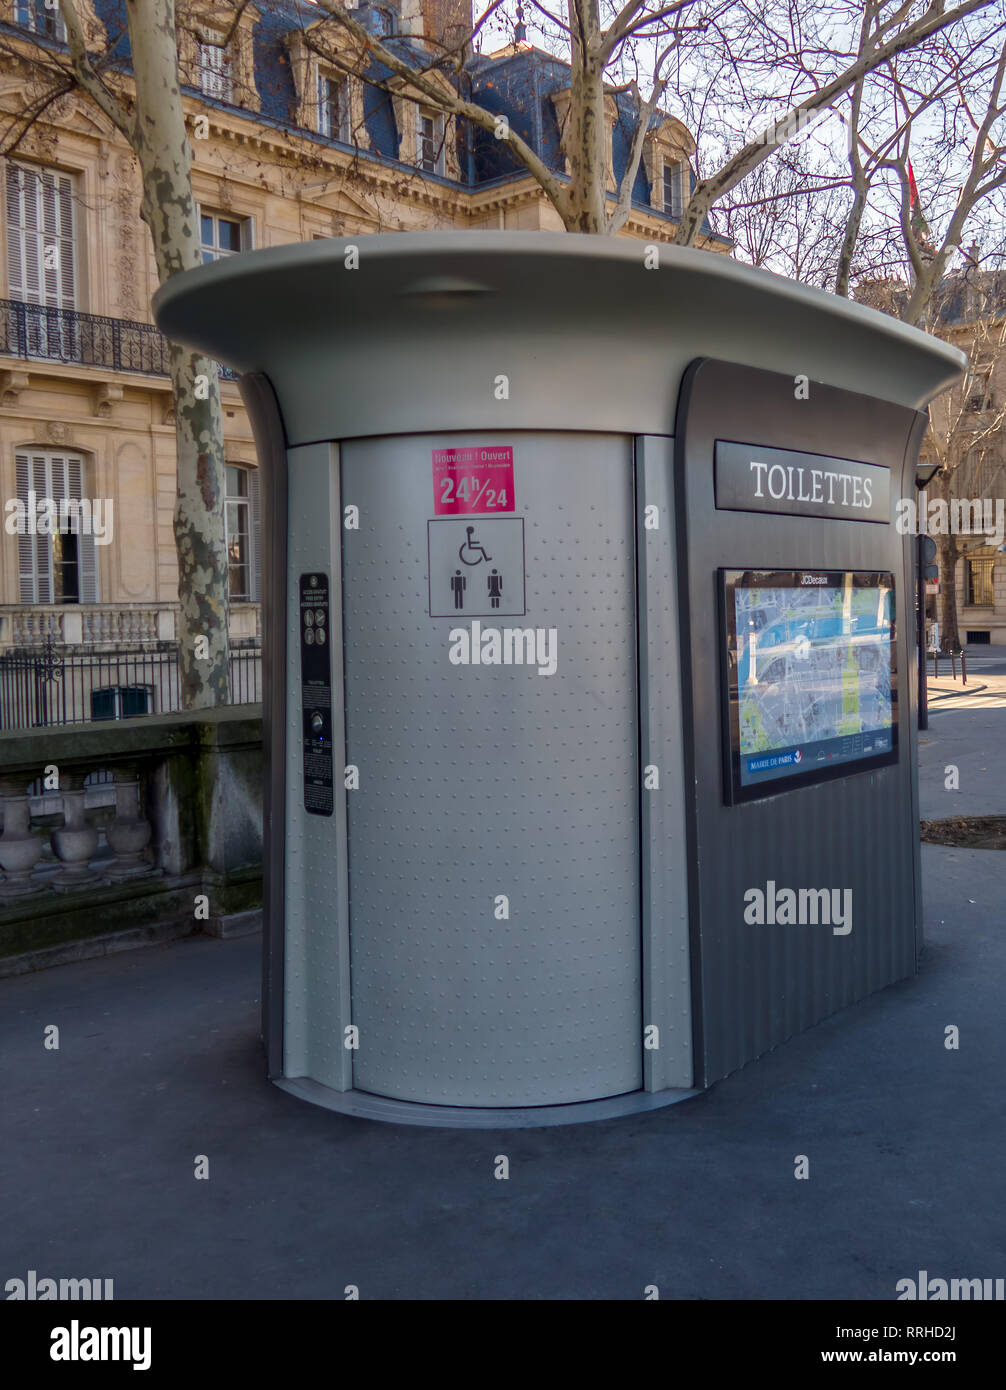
811, 688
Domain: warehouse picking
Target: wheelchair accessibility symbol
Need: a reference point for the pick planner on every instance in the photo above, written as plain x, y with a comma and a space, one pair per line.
472, 547
476, 567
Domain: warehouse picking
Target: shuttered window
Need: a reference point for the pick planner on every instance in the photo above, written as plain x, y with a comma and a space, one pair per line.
40, 18
255, 496
430, 141
333, 107
40, 236
215, 71
673, 175
243, 530
61, 567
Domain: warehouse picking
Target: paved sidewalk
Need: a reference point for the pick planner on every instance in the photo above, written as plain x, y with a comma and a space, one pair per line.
982, 691
159, 1062
966, 731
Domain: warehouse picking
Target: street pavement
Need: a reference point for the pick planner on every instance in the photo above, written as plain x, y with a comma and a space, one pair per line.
159, 1062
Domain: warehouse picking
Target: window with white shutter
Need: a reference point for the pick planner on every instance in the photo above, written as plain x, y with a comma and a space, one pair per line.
674, 173
60, 567
237, 530
215, 71
27, 578
40, 18
255, 497
41, 256
243, 528
333, 107
430, 140
41, 262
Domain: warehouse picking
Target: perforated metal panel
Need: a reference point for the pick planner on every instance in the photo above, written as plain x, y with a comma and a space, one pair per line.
490, 781
316, 974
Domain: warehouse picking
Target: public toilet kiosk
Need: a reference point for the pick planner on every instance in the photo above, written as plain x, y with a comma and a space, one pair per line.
589, 651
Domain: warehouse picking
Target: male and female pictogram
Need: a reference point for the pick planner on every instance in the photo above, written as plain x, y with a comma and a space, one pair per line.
476, 568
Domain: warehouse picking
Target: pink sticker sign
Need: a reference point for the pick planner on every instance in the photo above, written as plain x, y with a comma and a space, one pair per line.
473, 480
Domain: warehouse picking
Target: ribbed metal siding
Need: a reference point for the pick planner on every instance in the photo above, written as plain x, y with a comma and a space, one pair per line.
756, 986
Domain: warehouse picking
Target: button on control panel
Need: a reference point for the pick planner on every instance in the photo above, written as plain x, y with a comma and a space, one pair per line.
316, 693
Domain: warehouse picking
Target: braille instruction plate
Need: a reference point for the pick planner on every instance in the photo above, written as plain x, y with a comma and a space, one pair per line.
316, 693
476, 567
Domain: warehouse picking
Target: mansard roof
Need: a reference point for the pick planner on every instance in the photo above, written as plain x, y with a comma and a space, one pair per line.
518, 82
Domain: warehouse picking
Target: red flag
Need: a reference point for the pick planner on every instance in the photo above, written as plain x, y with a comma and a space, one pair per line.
919, 224
913, 188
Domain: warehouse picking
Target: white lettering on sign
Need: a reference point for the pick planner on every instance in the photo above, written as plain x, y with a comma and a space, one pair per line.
508, 646
790, 484
473, 480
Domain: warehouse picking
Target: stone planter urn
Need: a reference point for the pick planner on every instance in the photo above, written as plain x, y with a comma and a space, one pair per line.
129, 834
75, 844
20, 850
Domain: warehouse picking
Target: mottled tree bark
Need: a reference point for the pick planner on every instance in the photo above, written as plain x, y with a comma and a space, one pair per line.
948, 553
155, 128
162, 146
584, 142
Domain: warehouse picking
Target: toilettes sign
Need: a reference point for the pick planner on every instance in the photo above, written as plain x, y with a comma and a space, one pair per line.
750, 478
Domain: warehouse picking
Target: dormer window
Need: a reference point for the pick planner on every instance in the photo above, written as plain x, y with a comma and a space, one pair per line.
430, 140
674, 174
40, 18
329, 92
427, 136
667, 151
216, 51
333, 107
215, 72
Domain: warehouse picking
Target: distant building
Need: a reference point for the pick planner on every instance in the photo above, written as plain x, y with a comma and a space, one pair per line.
968, 310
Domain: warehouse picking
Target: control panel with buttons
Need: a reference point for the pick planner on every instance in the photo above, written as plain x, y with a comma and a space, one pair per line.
316, 693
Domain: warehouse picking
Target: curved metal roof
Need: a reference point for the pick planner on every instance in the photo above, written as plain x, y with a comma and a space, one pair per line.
418, 336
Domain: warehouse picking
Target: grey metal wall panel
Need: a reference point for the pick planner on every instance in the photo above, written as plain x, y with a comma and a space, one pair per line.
477, 782
664, 865
908, 473
758, 985
263, 410
316, 993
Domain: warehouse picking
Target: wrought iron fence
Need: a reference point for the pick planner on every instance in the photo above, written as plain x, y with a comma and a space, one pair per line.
36, 331
50, 684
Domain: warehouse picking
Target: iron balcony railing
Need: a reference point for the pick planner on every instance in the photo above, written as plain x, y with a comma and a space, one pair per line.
36, 332
52, 684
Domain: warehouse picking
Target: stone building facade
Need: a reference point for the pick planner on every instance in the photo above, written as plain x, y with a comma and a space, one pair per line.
968, 426
287, 147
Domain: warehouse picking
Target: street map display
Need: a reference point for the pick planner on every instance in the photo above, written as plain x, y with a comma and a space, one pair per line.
811, 673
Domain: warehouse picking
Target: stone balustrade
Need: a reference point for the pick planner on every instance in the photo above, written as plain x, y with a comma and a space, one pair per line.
73, 859
107, 624
152, 824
